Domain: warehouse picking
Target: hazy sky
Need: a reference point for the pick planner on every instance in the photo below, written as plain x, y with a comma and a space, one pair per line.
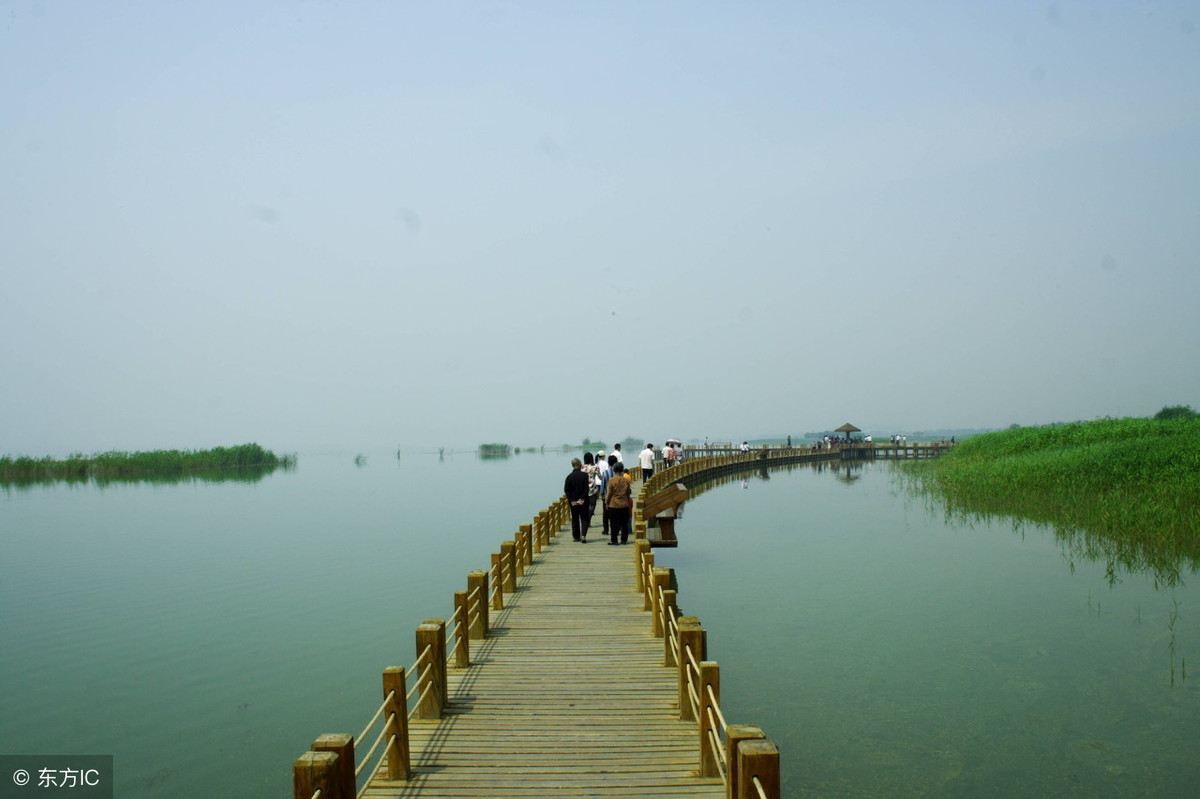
313, 224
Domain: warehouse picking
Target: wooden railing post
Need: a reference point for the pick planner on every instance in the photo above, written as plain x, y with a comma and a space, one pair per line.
519, 553
693, 637
640, 550
662, 581
757, 759
709, 727
527, 549
647, 580
442, 660
462, 646
477, 583
539, 530
315, 771
670, 607
734, 735
342, 745
395, 694
498, 594
430, 637
508, 555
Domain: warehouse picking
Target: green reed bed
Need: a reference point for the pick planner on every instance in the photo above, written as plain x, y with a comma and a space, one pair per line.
1124, 490
163, 464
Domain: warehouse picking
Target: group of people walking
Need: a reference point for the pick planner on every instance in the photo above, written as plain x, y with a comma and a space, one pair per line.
671, 453
600, 480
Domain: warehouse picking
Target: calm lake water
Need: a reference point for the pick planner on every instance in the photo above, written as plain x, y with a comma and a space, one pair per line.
205, 633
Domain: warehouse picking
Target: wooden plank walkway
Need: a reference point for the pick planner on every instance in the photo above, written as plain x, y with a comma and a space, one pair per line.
568, 696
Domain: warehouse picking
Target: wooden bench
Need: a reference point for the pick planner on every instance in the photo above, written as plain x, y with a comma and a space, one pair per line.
664, 507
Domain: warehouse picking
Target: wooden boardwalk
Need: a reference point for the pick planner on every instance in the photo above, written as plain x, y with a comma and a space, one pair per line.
567, 696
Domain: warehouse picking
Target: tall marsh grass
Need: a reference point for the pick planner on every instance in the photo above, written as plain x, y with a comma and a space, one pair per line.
220, 463
1125, 491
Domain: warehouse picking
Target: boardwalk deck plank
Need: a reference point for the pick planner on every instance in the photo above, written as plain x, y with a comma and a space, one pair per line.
568, 697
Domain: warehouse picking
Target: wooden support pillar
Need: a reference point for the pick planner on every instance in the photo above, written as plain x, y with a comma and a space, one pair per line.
395, 695
670, 607
661, 582
477, 583
342, 745
757, 758
430, 637
709, 727
647, 580
508, 556
519, 553
691, 636
443, 683
539, 531
315, 771
734, 735
640, 550
462, 646
639, 530
498, 594
527, 551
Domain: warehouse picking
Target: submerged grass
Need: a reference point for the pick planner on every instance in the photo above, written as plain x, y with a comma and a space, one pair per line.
1126, 491
219, 462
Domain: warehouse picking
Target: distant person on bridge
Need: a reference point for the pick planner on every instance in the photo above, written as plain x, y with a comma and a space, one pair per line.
605, 473
593, 475
576, 489
619, 503
646, 461
617, 452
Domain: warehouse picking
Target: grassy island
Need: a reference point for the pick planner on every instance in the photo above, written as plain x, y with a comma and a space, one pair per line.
1124, 490
170, 464
493, 450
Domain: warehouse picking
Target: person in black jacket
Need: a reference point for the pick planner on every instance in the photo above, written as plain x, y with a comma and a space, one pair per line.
576, 489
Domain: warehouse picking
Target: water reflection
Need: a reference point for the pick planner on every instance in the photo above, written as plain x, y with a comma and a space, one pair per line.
845, 472
237, 474
1164, 555
925, 657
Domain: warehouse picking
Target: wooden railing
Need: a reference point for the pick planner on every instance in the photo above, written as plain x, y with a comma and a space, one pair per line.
703, 466
331, 769
740, 754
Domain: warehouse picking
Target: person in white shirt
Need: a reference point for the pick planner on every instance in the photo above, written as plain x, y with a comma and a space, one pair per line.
646, 461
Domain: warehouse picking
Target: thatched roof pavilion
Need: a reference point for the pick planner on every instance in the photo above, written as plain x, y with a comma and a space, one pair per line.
847, 428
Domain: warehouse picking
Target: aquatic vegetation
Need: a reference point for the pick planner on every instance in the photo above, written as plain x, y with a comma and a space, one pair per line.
493, 450
1121, 490
218, 463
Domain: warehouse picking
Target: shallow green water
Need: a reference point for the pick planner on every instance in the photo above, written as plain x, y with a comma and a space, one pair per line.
889, 653
204, 634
